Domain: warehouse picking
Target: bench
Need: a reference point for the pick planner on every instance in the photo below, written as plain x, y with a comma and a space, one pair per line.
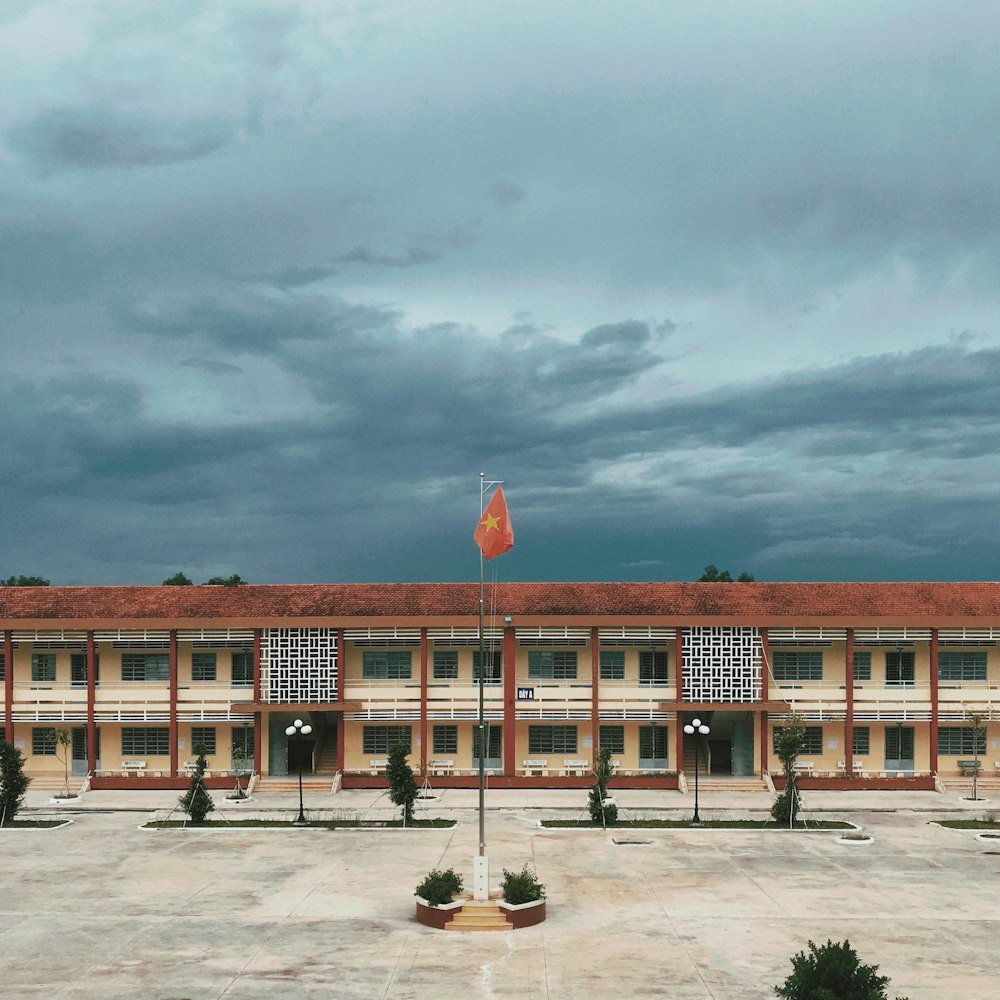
575, 767
132, 767
969, 767
439, 766
378, 766
805, 766
539, 768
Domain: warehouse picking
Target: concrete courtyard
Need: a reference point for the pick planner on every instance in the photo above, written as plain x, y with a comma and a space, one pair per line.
101, 909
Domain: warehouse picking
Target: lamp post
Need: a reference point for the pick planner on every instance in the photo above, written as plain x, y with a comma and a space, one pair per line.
297, 731
695, 728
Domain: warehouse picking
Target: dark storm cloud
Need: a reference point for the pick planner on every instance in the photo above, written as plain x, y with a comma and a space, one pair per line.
97, 138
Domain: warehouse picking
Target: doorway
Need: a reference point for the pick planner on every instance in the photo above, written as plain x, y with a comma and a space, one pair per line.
78, 767
899, 747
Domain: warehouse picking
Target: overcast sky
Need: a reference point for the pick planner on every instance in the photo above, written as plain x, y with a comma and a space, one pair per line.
699, 281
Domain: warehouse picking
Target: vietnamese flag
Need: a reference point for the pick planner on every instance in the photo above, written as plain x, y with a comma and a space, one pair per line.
494, 534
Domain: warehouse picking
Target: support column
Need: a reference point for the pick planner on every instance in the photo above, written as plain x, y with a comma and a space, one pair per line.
341, 683
423, 702
595, 695
765, 691
849, 708
509, 700
91, 703
8, 685
257, 717
679, 727
173, 703
934, 701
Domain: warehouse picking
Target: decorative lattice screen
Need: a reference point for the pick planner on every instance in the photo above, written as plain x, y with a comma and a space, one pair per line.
721, 664
299, 665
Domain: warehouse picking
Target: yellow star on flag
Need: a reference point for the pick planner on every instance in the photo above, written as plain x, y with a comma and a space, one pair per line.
490, 522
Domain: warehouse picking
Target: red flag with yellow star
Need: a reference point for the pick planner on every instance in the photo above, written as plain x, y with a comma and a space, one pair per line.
494, 534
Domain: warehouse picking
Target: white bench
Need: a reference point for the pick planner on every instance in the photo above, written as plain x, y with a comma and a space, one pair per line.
575, 767
378, 766
805, 766
440, 766
133, 767
538, 768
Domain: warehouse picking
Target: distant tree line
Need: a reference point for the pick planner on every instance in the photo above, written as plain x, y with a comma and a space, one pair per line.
182, 580
713, 574
25, 581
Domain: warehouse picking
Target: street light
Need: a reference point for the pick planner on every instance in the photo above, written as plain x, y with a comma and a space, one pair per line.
696, 728
297, 731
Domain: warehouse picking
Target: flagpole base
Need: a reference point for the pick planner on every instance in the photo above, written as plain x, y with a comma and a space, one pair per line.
481, 878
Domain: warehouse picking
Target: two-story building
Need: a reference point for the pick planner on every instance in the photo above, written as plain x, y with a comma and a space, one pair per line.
896, 681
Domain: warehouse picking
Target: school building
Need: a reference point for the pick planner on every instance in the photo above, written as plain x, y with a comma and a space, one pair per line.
888, 676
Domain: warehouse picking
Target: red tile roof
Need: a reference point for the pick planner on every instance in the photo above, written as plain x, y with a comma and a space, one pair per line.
787, 603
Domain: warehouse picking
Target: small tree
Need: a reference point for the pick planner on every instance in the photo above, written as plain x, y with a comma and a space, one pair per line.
63, 740
177, 580
603, 773
975, 720
402, 784
196, 801
833, 972
788, 740
13, 781
712, 574
25, 581
240, 758
225, 581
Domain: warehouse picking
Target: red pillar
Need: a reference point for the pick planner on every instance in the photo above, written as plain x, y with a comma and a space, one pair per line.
765, 692
341, 682
8, 685
934, 701
91, 702
173, 703
679, 727
257, 717
509, 700
595, 680
849, 710
423, 702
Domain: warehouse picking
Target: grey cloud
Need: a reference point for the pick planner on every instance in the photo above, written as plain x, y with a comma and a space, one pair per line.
96, 138
293, 277
211, 367
503, 193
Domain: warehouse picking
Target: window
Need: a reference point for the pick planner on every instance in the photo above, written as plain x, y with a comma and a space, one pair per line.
445, 739
899, 668
493, 666
812, 740
242, 668
43, 741
151, 741
203, 666
653, 667
387, 664
959, 741
962, 666
797, 665
378, 739
861, 740
445, 664
242, 739
205, 735
863, 666
552, 739
494, 739
552, 664
78, 669
613, 665
145, 667
653, 747
613, 738
43, 666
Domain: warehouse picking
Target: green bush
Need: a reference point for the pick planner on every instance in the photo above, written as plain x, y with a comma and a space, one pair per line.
196, 801
521, 887
603, 773
13, 782
440, 887
832, 972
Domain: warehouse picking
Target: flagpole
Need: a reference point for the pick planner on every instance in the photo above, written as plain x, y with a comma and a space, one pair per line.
482, 674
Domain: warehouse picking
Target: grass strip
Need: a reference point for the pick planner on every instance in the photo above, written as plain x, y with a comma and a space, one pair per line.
32, 824
686, 824
969, 824
319, 824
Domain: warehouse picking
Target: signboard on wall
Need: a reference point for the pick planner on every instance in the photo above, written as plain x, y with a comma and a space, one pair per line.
525, 694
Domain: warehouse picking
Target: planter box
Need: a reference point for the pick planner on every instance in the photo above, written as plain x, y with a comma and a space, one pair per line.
436, 916
524, 914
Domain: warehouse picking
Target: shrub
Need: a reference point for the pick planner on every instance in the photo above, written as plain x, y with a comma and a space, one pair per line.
832, 972
402, 784
13, 782
439, 887
603, 773
196, 801
521, 887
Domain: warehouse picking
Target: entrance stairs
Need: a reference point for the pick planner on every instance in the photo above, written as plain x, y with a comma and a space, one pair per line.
282, 783
691, 758
54, 783
479, 915
326, 759
725, 783
990, 784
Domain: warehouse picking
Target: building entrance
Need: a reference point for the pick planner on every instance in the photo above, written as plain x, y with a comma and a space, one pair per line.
730, 743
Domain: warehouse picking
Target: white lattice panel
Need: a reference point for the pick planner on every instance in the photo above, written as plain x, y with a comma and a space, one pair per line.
299, 665
721, 664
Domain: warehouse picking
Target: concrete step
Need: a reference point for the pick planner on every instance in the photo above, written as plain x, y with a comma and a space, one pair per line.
478, 916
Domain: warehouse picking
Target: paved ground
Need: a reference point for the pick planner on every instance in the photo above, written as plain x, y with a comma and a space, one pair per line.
103, 910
